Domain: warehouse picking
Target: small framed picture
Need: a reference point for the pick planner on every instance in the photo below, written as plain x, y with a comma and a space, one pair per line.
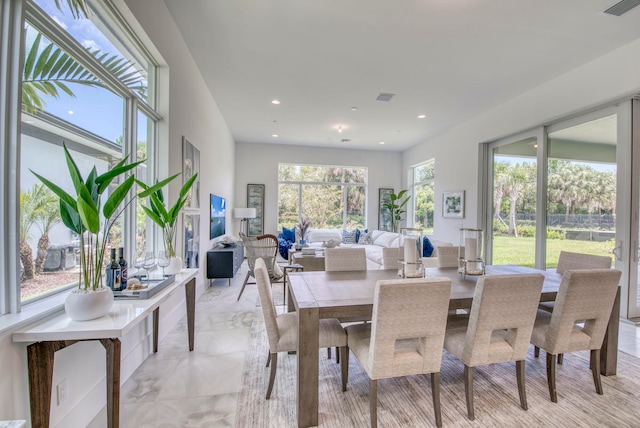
453, 204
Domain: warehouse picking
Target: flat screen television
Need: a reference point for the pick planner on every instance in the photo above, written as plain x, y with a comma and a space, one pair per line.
218, 207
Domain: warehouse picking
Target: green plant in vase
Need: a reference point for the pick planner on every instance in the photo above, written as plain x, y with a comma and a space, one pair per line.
81, 214
160, 214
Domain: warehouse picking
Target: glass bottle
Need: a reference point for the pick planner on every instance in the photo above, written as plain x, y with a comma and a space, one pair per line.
123, 268
113, 272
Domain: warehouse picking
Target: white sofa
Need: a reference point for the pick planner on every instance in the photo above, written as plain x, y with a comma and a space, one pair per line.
382, 253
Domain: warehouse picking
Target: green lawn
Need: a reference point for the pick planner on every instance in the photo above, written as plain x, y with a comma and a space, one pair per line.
508, 250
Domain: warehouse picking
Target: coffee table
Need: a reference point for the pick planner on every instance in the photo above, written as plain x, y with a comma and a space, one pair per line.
311, 262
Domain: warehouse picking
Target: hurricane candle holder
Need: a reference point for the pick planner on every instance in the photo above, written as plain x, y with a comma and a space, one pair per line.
471, 252
410, 253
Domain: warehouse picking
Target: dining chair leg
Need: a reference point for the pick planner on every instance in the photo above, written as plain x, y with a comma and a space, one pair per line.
373, 402
551, 376
560, 358
337, 355
344, 366
536, 351
595, 366
244, 284
435, 393
272, 375
468, 390
268, 358
329, 353
520, 365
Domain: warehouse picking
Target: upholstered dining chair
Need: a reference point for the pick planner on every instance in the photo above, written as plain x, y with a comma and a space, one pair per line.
266, 248
579, 320
498, 328
345, 259
448, 257
282, 329
405, 335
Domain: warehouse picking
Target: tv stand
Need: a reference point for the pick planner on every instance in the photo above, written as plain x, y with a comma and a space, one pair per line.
224, 262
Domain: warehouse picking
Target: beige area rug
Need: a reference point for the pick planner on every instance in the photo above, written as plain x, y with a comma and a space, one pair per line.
406, 402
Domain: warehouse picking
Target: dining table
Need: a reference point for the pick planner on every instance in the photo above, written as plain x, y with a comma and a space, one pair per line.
320, 295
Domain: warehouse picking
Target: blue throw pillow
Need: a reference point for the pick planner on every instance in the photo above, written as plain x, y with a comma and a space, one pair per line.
289, 234
427, 247
359, 233
349, 236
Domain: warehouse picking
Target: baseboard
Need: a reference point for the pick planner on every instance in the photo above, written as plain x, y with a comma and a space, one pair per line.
632, 321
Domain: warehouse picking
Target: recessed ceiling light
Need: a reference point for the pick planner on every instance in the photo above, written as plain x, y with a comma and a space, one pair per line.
275, 101
354, 108
422, 116
340, 129
274, 135
381, 142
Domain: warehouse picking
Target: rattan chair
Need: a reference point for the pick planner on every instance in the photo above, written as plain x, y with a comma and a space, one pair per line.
345, 259
405, 335
498, 328
266, 248
579, 320
448, 257
282, 330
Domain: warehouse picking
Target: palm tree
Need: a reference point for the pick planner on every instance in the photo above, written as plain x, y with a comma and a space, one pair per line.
46, 216
49, 69
28, 208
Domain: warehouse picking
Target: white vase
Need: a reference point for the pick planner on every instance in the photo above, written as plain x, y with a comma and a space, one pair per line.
84, 305
175, 265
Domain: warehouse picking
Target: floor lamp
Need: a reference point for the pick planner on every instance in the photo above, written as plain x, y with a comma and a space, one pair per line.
244, 214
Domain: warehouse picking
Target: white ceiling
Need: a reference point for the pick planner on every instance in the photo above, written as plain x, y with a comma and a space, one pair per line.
447, 59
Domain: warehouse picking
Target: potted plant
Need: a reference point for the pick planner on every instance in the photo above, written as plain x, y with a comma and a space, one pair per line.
81, 214
396, 205
167, 218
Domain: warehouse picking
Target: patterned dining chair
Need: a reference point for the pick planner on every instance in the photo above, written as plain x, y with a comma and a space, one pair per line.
282, 329
498, 328
405, 335
579, 320
345, 259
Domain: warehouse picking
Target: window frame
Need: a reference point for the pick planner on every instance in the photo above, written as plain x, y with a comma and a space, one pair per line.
414, 185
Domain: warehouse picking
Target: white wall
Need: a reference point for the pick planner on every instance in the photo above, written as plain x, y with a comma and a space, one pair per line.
258, 164
611, 77
189, 110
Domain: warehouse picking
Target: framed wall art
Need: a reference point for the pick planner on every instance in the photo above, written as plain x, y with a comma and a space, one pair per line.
453, 204
384, 215
255, 199
191, 166
191, 240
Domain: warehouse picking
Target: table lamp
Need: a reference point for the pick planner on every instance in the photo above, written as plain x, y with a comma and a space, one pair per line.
244, 214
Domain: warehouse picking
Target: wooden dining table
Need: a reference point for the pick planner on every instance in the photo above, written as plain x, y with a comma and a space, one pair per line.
319, 295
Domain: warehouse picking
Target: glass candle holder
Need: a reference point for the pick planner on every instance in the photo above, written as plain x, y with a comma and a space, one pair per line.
410, 253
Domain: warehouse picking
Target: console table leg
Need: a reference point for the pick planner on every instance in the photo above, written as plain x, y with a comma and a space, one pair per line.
156, 327
40, 357
112, 346
190, 299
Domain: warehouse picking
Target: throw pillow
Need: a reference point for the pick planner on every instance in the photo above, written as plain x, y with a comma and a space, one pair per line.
365, 238
427, 247
349, 236
289, 234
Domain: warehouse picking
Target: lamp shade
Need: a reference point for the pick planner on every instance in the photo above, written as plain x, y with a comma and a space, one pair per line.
244, 212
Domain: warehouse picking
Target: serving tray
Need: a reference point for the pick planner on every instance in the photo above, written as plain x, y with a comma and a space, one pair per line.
155, 285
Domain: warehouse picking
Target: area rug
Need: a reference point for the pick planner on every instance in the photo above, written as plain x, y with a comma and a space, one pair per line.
406, 402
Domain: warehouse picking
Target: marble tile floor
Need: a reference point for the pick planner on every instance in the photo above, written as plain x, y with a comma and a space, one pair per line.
178, 388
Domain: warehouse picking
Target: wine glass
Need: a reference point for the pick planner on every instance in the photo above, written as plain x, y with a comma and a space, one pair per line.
149, 262
139, 264
163, 260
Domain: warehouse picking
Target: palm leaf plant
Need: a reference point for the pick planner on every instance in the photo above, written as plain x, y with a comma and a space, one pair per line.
396, 205
158, 212
81, 213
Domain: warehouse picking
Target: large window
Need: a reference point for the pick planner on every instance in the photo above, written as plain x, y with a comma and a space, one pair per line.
87, 85
423, 196
332, 197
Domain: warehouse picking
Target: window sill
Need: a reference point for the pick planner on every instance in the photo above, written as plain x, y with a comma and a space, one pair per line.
33, 312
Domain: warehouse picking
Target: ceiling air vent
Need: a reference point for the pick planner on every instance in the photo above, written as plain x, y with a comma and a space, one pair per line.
387, 97
345, 140
622, 7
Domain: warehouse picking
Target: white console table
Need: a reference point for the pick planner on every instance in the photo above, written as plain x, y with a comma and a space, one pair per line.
58, 332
